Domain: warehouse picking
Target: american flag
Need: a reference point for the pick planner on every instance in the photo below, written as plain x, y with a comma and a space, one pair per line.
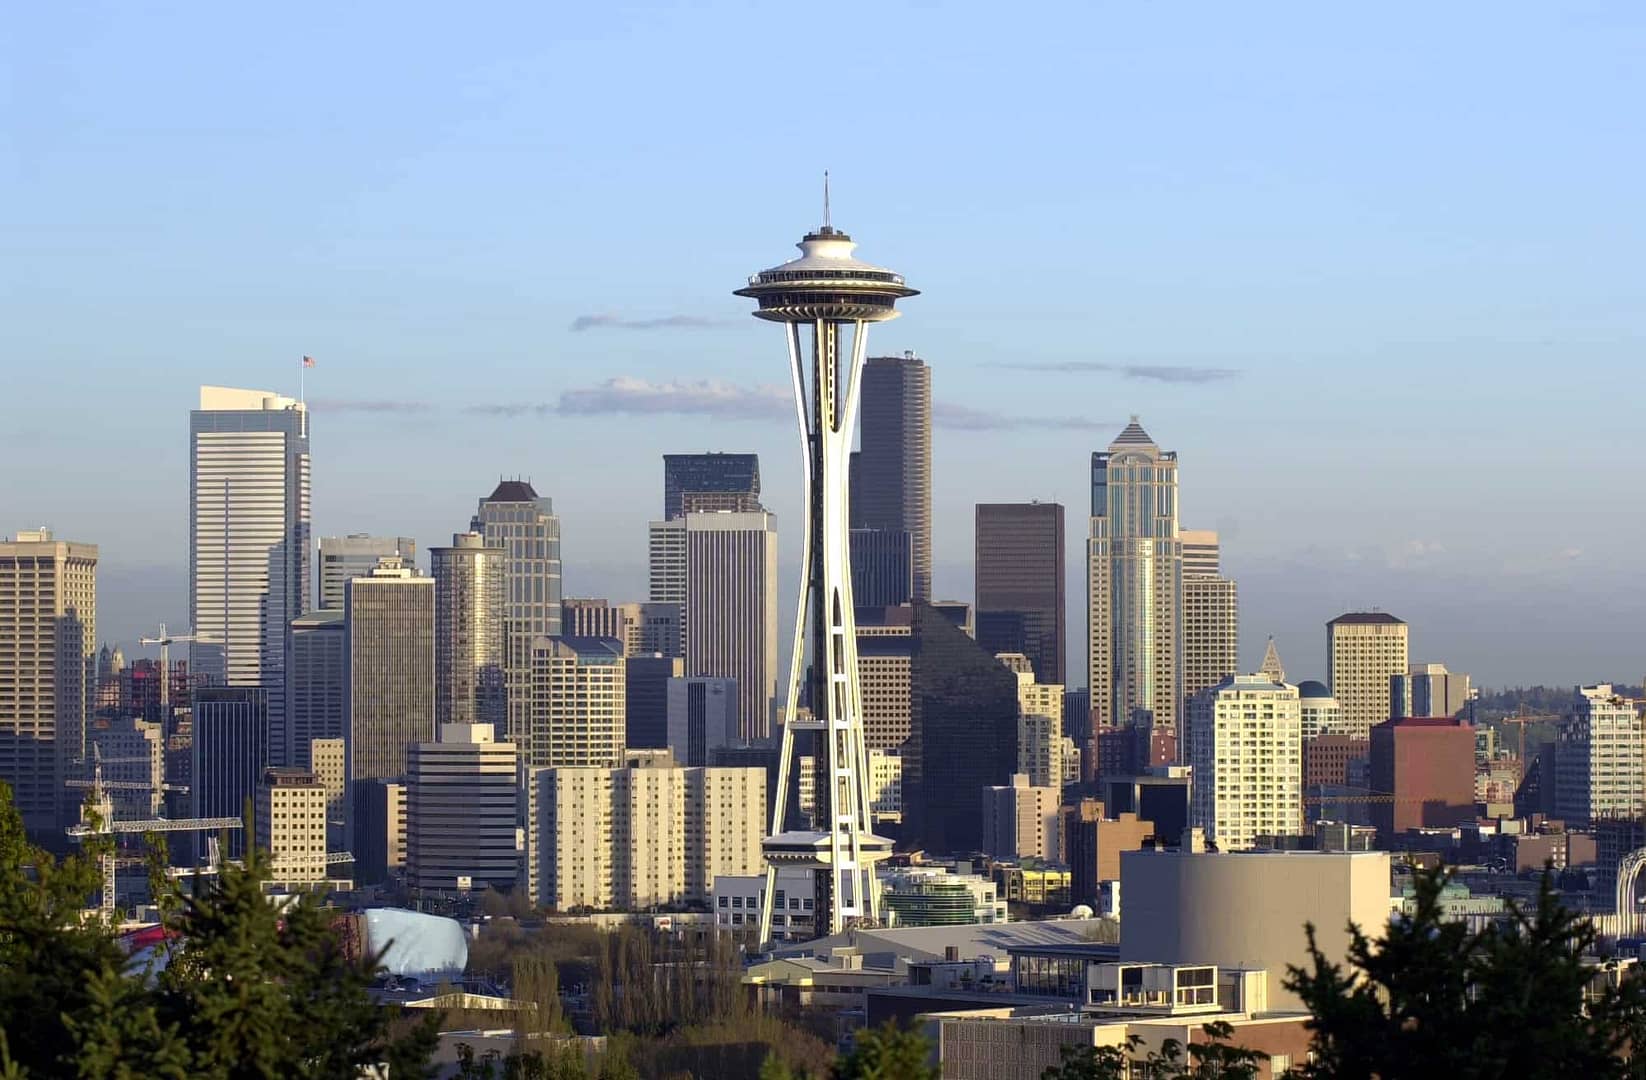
308, 361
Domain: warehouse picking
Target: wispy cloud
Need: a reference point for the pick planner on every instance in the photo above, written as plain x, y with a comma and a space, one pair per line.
618, 322
368, 405
696, 397
965, 418
629, 395
1166, 373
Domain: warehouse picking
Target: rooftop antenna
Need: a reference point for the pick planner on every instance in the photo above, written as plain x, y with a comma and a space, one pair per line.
826, 198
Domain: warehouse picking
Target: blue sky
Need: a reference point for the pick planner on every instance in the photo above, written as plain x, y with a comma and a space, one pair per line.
1409, 233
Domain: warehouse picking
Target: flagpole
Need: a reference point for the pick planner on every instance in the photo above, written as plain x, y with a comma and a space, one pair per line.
303, 383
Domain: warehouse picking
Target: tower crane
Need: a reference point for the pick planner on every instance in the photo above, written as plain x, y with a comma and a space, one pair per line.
1520, 720
164, 640
100, 822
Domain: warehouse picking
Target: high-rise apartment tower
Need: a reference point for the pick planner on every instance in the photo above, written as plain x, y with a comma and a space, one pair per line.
515, 518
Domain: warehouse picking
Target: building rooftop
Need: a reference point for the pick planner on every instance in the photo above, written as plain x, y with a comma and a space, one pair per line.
970, 940
513, 491
1367, 618
1313, 688
1132, 435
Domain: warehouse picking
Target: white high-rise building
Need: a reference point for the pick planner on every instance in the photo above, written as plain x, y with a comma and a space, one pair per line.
1245, 744
1321, 713
1365, 650
731, 608
650, 833
1135, 585
515, 518
579, 703
248, 541
356, 555
1600, 759
48, 676
461, 796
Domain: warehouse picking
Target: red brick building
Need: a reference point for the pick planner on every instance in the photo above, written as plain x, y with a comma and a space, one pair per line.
1425, 767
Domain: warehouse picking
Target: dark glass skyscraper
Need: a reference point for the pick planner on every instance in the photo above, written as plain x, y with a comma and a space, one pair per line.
892, 473
1020, 584
231, 739
964, 734
711, 473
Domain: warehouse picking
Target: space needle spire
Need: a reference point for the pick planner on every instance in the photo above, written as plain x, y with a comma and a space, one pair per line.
826, 300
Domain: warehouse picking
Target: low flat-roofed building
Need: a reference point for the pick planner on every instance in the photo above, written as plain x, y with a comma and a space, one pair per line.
1248, 909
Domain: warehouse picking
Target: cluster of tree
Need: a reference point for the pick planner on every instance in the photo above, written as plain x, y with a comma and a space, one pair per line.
249, 990
252, 990
1538, 700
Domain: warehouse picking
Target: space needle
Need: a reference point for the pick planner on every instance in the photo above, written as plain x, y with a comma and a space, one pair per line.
818, 297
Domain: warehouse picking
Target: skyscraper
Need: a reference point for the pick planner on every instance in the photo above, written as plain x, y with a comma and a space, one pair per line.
964, 738
1020, 583
389, 623
1245, 742
230, 752
1365, 650
702, 717
1600, 758
1211, 615
48, 654
1430, 690
646, 699
827, 291
316, 682
248, 541
587, 616
460, 811
731, 608
579, 714
1135, 585
469, 652
514, 518
733, 475
882, 567
892, 481
355, 555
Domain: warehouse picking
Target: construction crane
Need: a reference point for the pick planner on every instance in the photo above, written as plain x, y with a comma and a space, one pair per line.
165, 641
1523, 718
101, 804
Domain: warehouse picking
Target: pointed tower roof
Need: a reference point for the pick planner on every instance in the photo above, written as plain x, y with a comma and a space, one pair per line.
1132, 435
1272, 666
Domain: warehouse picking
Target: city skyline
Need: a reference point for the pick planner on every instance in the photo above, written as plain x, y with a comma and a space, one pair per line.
1260, 272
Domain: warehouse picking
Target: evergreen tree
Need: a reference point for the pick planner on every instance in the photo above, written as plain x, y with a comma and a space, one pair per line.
888, 1052
1432, 998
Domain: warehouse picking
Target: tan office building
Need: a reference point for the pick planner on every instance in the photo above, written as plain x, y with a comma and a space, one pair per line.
291, 825
48, 677
1365, 651
579, 708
